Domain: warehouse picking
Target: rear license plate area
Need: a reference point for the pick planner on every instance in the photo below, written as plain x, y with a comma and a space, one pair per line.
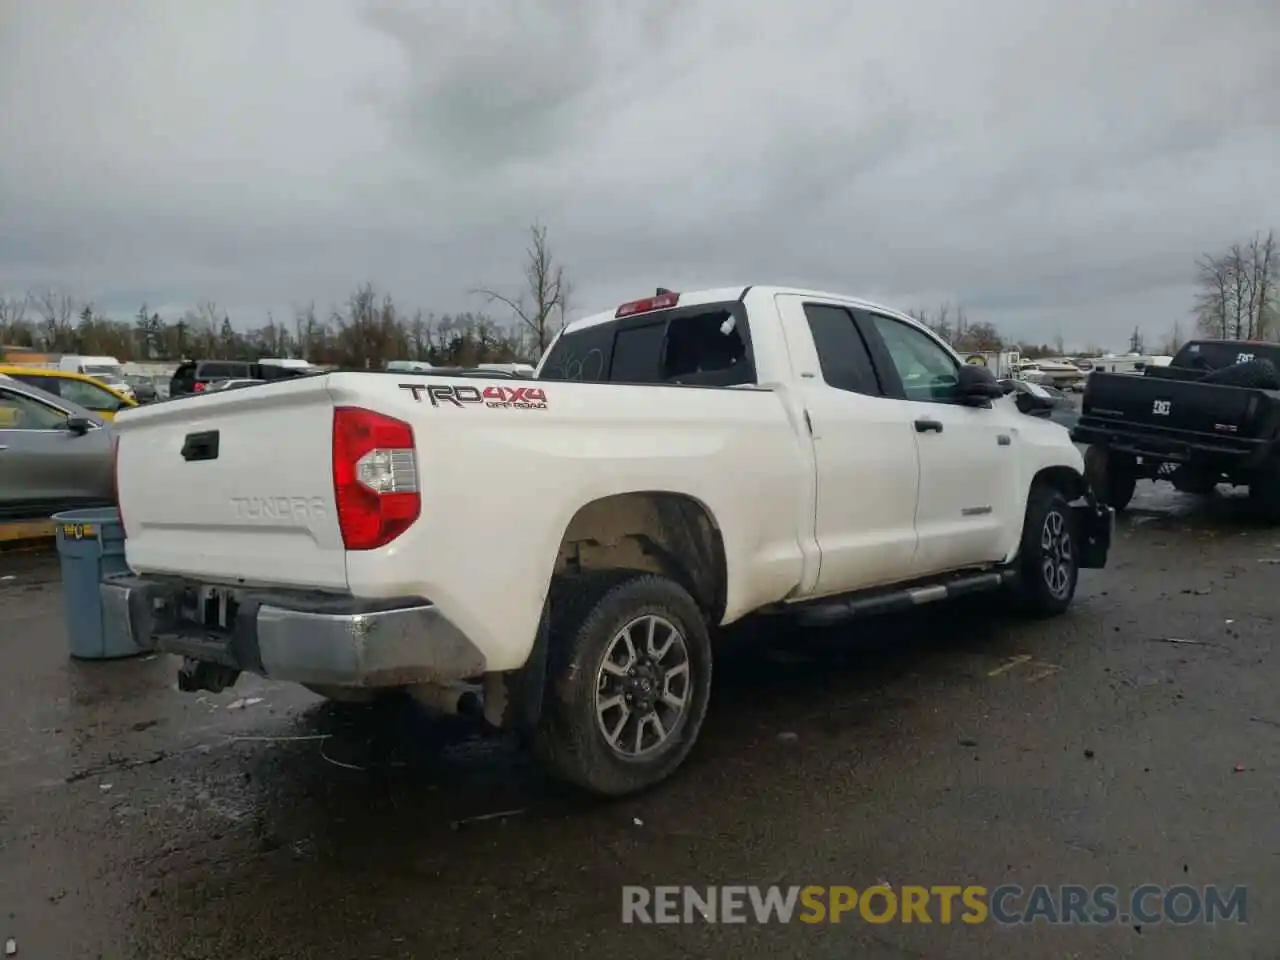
211, 608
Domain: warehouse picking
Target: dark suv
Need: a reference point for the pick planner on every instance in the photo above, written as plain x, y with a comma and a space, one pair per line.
195, 376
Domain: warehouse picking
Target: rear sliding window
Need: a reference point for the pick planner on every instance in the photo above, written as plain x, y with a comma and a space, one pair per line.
706, 345
228, 370
1208, 355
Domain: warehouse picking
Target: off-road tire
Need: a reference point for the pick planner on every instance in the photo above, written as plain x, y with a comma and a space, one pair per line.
1264, 493
1033, 593
1112, 476
587, 613
1199, 485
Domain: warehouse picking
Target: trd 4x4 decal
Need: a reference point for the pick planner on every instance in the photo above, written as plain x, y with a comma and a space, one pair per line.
514, 398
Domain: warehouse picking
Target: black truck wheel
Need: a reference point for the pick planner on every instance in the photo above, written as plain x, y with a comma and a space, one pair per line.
1112, 476
628, 681
1196, 482
1264, 493
1048, 556
1252, 374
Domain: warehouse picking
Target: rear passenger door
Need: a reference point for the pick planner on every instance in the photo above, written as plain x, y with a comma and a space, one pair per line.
863, 446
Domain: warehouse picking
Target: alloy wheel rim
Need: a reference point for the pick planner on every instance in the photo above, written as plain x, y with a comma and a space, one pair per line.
1056, 554
643, 686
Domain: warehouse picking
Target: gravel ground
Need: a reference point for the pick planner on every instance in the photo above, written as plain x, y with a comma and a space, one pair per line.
957, 746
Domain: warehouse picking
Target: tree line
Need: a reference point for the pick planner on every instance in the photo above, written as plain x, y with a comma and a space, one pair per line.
365, 332
1238, 297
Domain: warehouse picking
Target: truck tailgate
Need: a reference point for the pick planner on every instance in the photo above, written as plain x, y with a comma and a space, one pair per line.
1171, 404
234, 487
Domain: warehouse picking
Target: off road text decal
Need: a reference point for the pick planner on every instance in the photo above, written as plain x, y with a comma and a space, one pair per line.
513, 398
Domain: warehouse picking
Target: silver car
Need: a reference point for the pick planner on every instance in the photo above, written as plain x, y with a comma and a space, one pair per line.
54, 455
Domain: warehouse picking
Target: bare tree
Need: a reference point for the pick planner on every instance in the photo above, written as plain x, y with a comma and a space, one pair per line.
1172, 342
1262, 269
979, 337
57, 310
545, 295
1239, 291
13, 320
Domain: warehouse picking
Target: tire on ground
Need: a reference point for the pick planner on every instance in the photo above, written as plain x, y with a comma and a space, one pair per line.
1048, 563
589, 614
1264, 493
1112, 476
1197, 483
1253, 374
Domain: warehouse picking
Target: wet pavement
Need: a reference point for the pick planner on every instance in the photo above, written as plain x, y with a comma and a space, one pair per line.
959, 746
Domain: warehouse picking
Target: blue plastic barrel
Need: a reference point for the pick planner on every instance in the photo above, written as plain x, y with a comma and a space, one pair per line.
90, 548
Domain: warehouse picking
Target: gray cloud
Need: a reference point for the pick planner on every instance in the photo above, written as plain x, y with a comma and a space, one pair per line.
1056, 166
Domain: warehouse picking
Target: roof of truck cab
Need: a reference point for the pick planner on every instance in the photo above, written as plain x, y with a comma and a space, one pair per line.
693, 298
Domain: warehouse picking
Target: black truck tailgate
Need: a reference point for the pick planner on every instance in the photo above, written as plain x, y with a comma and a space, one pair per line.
1178, 420
1169, 404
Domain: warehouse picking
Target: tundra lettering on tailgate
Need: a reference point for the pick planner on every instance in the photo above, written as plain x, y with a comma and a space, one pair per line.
289, 509
512, 398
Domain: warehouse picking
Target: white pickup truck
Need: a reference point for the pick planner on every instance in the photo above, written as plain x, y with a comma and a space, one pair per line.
556, 551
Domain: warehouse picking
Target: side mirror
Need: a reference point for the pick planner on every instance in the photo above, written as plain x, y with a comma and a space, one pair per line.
977, 386
78, 426
1033, 404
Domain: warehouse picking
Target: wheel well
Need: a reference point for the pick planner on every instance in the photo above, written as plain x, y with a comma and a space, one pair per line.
665, 533
1063, 479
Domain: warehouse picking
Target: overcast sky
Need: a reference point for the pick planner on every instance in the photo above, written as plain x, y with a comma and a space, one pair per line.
1054, 165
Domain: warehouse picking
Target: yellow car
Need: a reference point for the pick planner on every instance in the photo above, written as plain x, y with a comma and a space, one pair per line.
83, 391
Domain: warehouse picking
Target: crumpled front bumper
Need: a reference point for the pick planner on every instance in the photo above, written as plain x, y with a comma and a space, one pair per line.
312, 639
1095, 528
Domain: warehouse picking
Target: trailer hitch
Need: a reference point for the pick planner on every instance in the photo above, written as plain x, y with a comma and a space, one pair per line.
196, 675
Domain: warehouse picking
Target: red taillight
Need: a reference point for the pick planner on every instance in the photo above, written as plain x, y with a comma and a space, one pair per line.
662, 301
375, 477
199, 387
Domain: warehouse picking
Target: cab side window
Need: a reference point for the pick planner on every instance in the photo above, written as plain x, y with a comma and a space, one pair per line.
47, 384
928, 371
842, 353
90, 396
20, 412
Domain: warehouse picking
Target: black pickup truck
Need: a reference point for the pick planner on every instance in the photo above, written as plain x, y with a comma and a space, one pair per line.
1212, 416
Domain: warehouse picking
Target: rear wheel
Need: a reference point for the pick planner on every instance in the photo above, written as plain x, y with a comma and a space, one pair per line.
1264, 493
1198, 483
1048, 557
628, 683
1112, 476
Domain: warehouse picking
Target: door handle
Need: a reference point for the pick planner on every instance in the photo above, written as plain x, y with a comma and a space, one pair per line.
924, 426
3, 447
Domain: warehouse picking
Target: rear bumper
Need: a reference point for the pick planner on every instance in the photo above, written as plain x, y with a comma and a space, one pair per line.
1096, 527
1173, 446
333, 641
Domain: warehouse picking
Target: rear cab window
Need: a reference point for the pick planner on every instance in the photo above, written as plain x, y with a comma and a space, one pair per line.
698, 345
1214, 355
222, 370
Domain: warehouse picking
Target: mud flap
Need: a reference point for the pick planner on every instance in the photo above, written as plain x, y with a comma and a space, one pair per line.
522, 690
1095, 526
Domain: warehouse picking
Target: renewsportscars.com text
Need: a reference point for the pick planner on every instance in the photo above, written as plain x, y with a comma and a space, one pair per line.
972, 904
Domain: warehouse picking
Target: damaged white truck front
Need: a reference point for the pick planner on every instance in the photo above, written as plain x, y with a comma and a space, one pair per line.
557, 551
